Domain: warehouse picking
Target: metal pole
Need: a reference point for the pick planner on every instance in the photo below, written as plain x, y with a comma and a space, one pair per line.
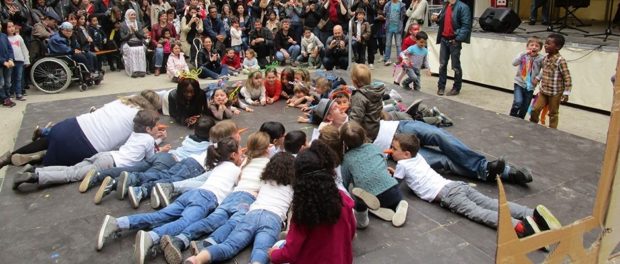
350, 44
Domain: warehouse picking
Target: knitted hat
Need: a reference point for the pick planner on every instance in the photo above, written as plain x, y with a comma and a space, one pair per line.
66, 26
322, 108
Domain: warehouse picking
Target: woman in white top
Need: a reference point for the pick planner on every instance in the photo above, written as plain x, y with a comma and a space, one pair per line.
262, 224
416, 12
74, 139
224, 158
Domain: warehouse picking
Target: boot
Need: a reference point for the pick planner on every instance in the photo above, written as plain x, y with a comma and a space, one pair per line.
24, 177
21, 159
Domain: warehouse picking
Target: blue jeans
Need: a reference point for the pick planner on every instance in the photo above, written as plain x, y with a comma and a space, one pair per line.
413, 76
450, 51
5, 82
185, 169
159, 162
521, 101
208, 73
159, 57
225, 217
388, 47
293, 52
534, 10
191, 183
17, 78
185, 210
262, 225
452, 155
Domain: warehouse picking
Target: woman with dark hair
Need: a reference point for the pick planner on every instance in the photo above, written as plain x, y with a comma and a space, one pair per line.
322, 227
185, 103
245, 23
191, 28
157, 8
156, 33
209, 61
74, 6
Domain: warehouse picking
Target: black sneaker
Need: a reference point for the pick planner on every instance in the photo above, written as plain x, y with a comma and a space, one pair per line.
545, 219
519, 175
413, 108
529, 227
172, 247
495, 168
107, 185
24, 177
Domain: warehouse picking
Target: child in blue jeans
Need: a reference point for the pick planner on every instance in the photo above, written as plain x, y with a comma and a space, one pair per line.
529, 64
418, 60
224, 158
262, 224
22, 59
6, 69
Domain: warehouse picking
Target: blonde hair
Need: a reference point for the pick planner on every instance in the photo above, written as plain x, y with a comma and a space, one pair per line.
305, 75
250, 52
147, 100
249, 83
223, 129
323, 82
534, 39
331, 137
301, 88
360, 74
257, 144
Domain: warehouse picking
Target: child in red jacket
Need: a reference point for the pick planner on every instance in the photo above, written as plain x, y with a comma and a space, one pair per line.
323, 226
232, 61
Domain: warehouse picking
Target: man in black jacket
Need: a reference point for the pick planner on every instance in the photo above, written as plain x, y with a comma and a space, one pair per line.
261, 41
336, 50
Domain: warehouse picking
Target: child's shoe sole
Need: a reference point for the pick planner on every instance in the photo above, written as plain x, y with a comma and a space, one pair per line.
369, 199
101, 192
545, 219
385, 214
400, 216
171, 253
121, 187
86, 181
155, 201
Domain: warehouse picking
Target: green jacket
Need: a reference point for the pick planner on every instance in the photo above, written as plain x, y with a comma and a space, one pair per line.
366, 107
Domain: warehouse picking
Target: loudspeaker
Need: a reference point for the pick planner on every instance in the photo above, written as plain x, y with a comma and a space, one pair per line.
499, 20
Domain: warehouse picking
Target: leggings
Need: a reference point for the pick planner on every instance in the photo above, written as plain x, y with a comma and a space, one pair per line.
32, 147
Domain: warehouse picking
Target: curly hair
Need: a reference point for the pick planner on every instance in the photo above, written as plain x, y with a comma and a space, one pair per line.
316, 199
280, 169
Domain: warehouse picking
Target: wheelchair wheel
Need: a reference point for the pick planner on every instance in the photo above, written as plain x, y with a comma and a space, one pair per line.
50, 75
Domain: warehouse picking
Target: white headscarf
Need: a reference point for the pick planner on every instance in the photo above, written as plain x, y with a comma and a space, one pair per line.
128, 22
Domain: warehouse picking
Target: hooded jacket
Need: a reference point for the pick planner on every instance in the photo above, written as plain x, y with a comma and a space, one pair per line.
191, 148
366, 107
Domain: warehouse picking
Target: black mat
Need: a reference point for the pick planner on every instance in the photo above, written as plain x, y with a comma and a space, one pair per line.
59, 225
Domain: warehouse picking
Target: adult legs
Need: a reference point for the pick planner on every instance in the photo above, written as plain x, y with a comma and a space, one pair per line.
455, 56
158, 58
206, 73
388, 46
444, 56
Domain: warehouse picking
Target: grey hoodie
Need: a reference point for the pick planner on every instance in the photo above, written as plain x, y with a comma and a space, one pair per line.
366, 107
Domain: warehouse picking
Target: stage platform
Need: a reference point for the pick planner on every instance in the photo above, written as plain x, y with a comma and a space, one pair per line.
59, 224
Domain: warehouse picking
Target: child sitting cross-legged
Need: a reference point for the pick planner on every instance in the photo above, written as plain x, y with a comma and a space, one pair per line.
140, 145
458, 196
262, 223
365, 167
232, 61
224, 158
250, 63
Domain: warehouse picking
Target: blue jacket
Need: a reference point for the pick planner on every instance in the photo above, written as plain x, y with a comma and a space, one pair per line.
461, 21
387, 10
6, 51
59, 45
214, 29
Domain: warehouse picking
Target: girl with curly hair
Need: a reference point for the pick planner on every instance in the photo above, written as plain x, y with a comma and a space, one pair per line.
323, 225
231, 210
262, 223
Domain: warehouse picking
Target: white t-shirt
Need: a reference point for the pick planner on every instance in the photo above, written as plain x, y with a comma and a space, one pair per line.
274, 198
109, 126
420, 177
222, 180
273, 150
138, 147
250, 176
387, 129
165, 105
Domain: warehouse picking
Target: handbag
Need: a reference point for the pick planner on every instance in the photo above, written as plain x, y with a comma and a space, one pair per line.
134, 42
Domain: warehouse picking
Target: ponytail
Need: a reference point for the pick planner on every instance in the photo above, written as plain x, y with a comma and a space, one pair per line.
220, 152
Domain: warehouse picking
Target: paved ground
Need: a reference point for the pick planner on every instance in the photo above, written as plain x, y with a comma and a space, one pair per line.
59, 224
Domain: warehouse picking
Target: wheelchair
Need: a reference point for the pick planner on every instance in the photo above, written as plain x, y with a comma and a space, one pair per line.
55, 73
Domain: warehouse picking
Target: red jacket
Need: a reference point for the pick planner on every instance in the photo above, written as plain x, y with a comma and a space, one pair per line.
156, 33
322, 244
407, 42
273, 91
234, 62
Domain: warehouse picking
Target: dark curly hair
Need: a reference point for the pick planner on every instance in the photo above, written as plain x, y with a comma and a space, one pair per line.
280, 169
316, 199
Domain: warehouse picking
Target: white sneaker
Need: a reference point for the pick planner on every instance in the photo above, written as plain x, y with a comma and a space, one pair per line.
387, 63
400, 216
372, 67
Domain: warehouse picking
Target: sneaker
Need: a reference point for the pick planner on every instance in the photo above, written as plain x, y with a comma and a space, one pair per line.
495, 168
22, 159
36, 134
88, 181
5, 159
370, 66
20, 98
518, 175
142, 245
361, 219
24, 177
8, 103
441, 91
435, 111
385, 214
121, 187
369, 199
107, 185
135, 196
109, 228
445, 120
172, 247
545, 219
197, 246
400, 216
529, 228
154, 201
413, 108
395, 95
164, 192
454, 92
387, 63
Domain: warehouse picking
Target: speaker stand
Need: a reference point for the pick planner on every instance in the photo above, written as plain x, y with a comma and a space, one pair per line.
608, 32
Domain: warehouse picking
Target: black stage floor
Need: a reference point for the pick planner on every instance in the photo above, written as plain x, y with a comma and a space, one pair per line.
59, 225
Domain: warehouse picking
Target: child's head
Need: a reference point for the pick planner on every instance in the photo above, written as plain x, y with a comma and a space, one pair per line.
287, 75
413, 30
275, 130
145, 122
280, 169
286, 24
534, 44
360, 75
250, 54
404, 146
271, 74
235, 22
230, 53
294, 141
219, 97
203, 127
307, 32
352, 134
300, 90
299, 75
10, 28
342, 98
257, 144
323, 85
255, 80
316, 199
554, 43
331, 137
146, 31
226, 149
224, 129
94, 21
421, 38
176, 49
166, 33
360, 14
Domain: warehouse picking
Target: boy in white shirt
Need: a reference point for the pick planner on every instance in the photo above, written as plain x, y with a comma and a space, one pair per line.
140, 145
458, 196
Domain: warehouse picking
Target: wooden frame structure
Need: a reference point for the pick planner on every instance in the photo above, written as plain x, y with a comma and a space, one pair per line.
569, 239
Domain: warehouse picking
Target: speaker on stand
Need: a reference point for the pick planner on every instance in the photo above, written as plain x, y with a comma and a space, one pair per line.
499, 20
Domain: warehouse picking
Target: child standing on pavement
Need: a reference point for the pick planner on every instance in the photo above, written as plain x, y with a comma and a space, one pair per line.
22, 59
528, 63
555, 81
7, 59
418, 60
